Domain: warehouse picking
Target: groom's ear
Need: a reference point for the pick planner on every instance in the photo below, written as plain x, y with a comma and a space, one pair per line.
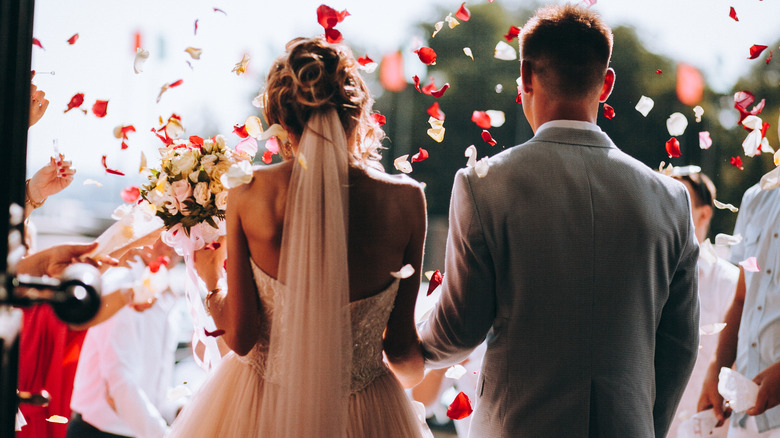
526, 73
609, 84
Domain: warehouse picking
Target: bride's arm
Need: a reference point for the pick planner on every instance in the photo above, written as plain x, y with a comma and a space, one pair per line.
237, 309
401, 342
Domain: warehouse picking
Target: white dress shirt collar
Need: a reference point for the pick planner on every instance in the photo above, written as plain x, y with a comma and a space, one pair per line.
572, 124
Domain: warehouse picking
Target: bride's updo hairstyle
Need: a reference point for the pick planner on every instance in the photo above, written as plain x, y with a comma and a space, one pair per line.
315, 76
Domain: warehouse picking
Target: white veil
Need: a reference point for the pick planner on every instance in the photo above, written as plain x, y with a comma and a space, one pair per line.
310, 357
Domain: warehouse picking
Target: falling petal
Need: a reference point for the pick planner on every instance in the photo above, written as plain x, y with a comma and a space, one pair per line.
471, 154
426, 55
219, 10
193, 52
721, 206
178, 392
174, 128
505, 52
130, 194
238, 174
75, 101
499, 88
755, 51
437, 129
467, 51
463, 13
141, 56
142, 165
437, 28
451, 22
676, 124
37, 42
609, 112
460, 408
333, 36
727, 240
481, 119
439, 92
240, 67
482, 167
257, 102
771, 180
248, 146
402, 164
253, 126
329, 17
497, 118
111, 171
435, 111
215, 334
488, 138
422, 155
434, 281
736, 162
644, 105
513, 33
705, 141
698, 111
733, 14
57, 419
455, 372
88, 182
659, 72
379, 118
777, 158
240, 130
99, 108
195, 32
405, 272
769, 58
274, 130
750, 264
751, 143
267, 157
673, 147
72, 40
712, 329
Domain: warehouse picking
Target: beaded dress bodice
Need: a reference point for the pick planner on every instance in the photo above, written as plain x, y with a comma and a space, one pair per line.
368, 316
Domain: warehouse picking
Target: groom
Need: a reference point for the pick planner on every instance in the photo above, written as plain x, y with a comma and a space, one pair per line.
575, 261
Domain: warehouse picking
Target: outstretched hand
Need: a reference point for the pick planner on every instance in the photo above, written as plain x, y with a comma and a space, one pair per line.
51, 178
53, 261
768, 390
710, 397
38, 104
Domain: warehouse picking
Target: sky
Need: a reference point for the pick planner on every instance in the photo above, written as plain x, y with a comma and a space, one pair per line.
100, 63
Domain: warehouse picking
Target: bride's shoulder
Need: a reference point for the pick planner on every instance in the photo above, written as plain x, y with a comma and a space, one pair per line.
265, 177
398, 181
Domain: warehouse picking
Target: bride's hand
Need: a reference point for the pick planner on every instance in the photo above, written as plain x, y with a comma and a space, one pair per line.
51, 179
209, 262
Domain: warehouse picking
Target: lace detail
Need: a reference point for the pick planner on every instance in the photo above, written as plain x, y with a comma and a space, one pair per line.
369, 319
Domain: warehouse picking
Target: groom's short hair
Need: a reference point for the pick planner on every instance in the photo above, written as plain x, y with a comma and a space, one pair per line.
569, 48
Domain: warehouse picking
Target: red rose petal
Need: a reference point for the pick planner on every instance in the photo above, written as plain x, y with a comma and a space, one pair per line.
609, 112
72, 40
755, 51
659, 71
422, 155
364, 60
460, 408
176, 83
267, 157
37, 42
379, 118
463, 13
333, 36
329, 17
125, 129
215, 333
673, 147
743, 99
519, 98
416, 80
130, 194
426, 55
240, 131
434, 282
737, 162
196, 140
733, 14
111, 171
769, 58
99, 108
764, 128
75, 101
435, 112
196, 26
219, 10
513, 33
488, 138
481, 118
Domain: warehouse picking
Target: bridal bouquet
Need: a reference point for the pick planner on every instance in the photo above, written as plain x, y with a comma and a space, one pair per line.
189, 190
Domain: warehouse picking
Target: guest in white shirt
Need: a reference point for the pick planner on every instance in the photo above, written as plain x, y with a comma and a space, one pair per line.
125, 372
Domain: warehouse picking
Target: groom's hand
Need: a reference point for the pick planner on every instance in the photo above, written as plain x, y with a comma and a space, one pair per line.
710, 397
768, 390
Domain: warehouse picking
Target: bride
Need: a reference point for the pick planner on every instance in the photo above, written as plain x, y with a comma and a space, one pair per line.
311, 303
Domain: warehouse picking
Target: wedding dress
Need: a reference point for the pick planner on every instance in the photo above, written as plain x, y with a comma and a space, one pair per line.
317, 371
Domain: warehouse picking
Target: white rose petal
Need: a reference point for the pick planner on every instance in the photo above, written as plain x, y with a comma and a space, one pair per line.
705, 141
437, 28
497, 118
753, 122
455, 372
89, 181
765, 148
505, 52
698, 111
644, 105
471, 154
178, 392
723, 206
467, 51
193, 52
141, 56
727, 240
712, 329
369, 68
257, 102
751, 143
676, 124
771, 180
402, 164
202, 194
405, 272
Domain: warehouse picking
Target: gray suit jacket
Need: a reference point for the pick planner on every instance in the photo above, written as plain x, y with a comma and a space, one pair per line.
578, 264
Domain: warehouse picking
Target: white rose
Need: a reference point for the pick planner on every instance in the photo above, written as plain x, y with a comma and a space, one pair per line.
202, 194
184, 163
208, 162
215, 186
194, 176
221, 200
238, 174
171, 204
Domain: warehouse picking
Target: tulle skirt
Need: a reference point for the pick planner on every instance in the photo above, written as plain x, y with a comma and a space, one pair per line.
228, 403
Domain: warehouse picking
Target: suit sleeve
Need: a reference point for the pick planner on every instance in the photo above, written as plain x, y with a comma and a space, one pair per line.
467, 307
677, 336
